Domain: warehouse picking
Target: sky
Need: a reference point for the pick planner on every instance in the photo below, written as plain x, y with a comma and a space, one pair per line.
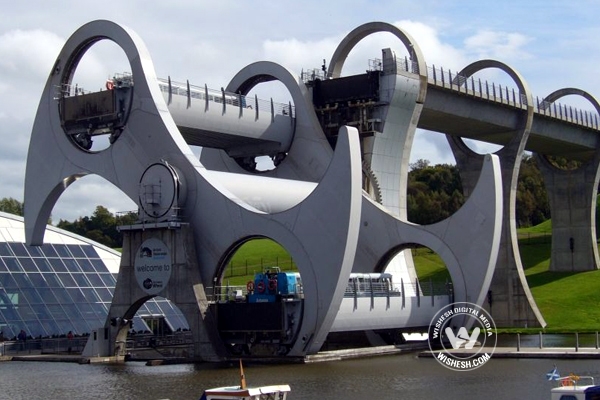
552, 44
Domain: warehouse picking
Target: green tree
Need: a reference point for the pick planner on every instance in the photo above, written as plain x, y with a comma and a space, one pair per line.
11, 206
532, 206
100, 227
434, 192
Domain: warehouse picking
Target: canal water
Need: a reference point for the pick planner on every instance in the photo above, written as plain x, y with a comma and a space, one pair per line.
388, 377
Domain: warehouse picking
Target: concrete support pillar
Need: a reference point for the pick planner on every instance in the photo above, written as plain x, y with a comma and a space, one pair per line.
512, 304
183, 287
510, 301
572, 195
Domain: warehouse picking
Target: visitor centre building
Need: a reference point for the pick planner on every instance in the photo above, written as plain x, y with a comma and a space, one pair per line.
66, 284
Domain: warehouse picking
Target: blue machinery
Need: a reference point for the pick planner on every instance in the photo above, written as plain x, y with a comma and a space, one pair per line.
335, 199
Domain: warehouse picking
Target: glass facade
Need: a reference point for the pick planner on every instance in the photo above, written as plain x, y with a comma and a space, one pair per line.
64, 285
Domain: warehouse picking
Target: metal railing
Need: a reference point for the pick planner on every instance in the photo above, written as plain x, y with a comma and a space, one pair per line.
43, 346
445, 78
576, 341
511, 97
222, 97
230, 293
145, 340
382, 289
252, 266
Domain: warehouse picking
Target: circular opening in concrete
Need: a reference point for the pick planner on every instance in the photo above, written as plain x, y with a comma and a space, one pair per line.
260, 298
160, 327
264, 98
80, 202
95, 100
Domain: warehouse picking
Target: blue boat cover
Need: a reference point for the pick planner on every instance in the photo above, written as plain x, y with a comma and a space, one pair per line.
592, 393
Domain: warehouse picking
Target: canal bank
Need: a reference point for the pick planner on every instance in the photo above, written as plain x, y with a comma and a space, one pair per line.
421, 350
325, 356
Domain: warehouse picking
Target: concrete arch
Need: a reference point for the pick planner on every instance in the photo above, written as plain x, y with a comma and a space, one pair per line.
572, 195
309, 144
266, 71
471, 267
58, 175
405, 103
521, 137
557, 94
515, 304
351, 40
477, 66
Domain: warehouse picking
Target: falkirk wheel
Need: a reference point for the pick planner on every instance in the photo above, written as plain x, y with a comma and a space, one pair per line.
194, 213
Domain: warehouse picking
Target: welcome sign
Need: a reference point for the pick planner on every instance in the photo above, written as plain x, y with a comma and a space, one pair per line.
152, 266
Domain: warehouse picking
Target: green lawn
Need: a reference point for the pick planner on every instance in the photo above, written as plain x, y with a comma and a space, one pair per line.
569, 301
255, 256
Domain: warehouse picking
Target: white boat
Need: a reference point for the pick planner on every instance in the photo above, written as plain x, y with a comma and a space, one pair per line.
575, 387
242, 392
276, 392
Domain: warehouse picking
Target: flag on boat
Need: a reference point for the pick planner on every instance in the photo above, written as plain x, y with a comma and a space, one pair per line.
553, 375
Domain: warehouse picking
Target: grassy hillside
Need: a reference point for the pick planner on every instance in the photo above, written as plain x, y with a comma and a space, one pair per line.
569, 301
255, 256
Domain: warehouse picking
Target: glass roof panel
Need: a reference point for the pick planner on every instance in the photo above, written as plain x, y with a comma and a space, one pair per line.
49, 251
5, 250
19, 249
76, 250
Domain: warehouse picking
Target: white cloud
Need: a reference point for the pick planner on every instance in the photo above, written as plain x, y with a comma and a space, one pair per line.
298, 55
82, 197
27, 53
505, 46
435, 51
26, 59
431, 146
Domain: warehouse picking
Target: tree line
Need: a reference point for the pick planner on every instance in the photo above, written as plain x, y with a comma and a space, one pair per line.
434, 193
100, 227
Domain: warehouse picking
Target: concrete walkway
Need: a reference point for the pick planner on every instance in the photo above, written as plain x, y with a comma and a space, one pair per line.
527, 352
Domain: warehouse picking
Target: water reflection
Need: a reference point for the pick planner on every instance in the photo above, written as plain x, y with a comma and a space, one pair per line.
391, 377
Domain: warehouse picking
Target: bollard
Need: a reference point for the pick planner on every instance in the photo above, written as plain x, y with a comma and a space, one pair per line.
518, 342
541, 344
576, 341
596, 340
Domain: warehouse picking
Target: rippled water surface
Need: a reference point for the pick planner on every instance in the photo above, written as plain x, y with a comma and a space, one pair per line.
389, 377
